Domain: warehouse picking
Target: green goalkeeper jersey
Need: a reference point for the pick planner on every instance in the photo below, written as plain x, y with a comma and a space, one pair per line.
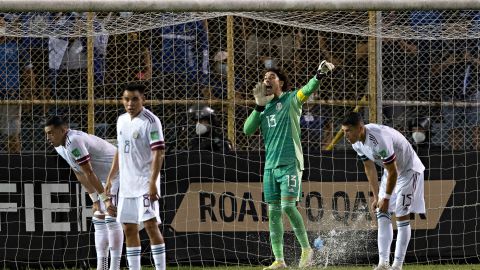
280, 127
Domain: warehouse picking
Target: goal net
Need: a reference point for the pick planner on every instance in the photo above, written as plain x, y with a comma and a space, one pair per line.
417, 71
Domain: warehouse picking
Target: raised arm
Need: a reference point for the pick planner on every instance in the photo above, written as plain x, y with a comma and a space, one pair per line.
261, 99
312, 85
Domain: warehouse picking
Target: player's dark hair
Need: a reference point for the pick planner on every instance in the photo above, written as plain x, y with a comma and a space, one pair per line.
282, 76
352, 119
56, 121
135, 87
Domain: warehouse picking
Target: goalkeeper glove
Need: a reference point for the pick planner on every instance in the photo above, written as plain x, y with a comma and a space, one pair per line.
323, 69
261, 99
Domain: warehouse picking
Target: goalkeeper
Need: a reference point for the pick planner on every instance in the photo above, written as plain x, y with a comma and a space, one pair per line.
277, 114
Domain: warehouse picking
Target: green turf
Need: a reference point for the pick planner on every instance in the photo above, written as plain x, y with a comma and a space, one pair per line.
406, 267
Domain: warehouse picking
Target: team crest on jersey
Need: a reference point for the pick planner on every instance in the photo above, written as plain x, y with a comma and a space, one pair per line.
135, 134
279, 106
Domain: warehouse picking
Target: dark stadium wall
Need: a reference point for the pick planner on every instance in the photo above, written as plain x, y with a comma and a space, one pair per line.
213, 211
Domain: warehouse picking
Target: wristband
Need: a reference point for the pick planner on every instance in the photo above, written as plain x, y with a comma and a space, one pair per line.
103, 197
259, 108
387, 196
93, 196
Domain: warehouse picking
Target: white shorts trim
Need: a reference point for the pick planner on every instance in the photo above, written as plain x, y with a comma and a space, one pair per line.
136, 210
408, 195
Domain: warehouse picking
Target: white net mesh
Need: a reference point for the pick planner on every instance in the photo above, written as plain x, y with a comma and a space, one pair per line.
428, 81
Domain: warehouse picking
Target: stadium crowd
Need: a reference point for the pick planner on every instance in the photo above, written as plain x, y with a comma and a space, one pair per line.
188, 61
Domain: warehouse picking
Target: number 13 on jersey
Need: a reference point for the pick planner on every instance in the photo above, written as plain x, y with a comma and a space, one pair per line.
271, 120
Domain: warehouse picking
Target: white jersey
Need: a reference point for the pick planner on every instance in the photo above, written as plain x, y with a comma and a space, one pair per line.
384, 145
81, 147
137, 138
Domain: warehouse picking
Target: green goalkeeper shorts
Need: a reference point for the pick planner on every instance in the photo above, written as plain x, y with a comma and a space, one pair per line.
281, 182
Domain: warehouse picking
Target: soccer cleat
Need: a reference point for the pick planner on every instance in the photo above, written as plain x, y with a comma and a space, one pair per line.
306, 260
276, 265
395, 268
382, 266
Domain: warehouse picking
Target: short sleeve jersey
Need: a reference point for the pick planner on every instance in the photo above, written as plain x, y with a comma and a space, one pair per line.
137, 138
384, 145
81, 147
280, 126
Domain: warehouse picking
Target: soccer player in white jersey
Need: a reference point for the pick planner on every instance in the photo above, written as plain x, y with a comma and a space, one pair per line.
401, 188
139, 157
90, 158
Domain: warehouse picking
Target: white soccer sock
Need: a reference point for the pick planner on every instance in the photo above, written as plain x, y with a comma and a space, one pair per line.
403, 238
158, 253
133, 257
115, 239
101, 243
385, 236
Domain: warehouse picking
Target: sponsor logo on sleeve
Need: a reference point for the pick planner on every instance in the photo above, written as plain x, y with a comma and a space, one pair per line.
383, 153
76, 152
154, 136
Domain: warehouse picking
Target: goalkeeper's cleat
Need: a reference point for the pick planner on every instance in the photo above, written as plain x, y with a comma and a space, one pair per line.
382, 266
276, 265
306, 260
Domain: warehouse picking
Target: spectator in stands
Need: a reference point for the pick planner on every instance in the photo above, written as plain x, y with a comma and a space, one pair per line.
129, 58
218, 79
14, 63
421, 134
314, 127
349, 53
398, 76
258, 43
209, 136
459, 75
180, 60
68, 59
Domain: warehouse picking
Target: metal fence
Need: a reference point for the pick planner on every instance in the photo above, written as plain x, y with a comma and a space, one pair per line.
188, 63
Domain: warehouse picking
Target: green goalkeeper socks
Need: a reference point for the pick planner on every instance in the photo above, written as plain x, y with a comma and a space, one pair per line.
296, 221
276, 229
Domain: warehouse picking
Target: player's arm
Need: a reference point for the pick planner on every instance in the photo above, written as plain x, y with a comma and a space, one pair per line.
157, 146
85, 183
261, 99
371, 172
113, 172
158, 156
314, 83
90, 190
92, 179
252, 123
391, 177
388, 158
